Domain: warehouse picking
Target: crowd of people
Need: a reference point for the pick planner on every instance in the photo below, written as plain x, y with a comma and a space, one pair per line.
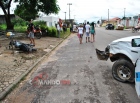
88, 30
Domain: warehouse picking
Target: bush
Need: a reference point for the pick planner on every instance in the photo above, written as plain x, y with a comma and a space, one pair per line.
21, 29
41, 23
65, 33
54, 32
3, 27
43, 27
49, 31
19, 22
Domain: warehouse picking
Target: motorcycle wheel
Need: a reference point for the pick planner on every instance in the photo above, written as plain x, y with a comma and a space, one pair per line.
38, 35
133, 30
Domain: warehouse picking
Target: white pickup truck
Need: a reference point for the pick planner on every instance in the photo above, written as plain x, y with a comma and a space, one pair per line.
125, 52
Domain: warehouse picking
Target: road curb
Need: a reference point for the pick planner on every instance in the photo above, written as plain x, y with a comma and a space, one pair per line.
7, 90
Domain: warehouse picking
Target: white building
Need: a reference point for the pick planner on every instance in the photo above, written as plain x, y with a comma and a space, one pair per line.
50, 21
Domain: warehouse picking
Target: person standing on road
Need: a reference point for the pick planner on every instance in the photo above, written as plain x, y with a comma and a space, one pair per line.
80, 33
84, 24
87, 27
92, 31
31, 32
58, 30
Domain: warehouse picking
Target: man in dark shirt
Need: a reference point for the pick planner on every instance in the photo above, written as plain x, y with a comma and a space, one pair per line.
31, 32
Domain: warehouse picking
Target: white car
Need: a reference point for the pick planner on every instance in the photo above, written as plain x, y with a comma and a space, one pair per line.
125, 52
119, 27
75, 28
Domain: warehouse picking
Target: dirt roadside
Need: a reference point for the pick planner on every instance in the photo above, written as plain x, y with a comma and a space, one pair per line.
14, 64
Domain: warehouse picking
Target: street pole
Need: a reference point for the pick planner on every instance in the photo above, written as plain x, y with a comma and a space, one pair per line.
69, 10
108, 15
74, 18
65, 16
124, 17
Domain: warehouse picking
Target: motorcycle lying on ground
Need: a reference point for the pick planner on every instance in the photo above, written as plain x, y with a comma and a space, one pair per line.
13, 44
37, 32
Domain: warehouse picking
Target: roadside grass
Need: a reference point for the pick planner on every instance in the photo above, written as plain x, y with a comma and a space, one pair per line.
52, 31
64, 34
21, 29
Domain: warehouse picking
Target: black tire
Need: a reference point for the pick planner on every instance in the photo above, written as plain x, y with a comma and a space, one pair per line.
133, 30
38, 35
123, 71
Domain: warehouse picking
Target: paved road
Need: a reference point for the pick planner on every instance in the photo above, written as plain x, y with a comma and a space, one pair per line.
84, 79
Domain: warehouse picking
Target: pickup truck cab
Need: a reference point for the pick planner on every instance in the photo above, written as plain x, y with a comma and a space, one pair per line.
125, 53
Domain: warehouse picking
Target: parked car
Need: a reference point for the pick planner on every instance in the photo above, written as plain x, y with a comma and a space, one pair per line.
109, 27
119, 27
125, 52
75, 28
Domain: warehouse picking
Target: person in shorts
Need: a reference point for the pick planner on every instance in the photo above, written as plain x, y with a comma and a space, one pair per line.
92, 31
87, 29
80, 33
31, 32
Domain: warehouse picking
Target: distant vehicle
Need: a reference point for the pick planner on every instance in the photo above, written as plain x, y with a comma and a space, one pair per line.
109, 27
136, 28
119, 27
75, 28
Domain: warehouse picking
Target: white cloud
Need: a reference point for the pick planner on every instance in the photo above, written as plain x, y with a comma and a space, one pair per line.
13, 6
93, 10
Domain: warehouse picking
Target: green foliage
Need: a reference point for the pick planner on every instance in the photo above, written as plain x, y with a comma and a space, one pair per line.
49, 31
54, 32
19, 22
41, 23
43, 27
5, 3
21, 29
28, 9
3, 27
64, 34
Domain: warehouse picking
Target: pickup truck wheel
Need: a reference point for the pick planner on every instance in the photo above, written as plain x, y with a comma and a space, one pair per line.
123, 71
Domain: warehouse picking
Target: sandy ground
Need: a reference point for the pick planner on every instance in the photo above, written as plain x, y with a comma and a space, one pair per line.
14, 63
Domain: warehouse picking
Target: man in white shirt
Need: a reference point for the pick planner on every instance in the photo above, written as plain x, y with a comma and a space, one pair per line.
80, 33
87, 27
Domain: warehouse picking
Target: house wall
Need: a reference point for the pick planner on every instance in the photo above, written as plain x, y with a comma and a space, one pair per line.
2, 18
129, 23
50, 21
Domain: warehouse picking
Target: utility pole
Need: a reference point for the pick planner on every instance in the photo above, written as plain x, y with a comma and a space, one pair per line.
65, 16
74, 18
69, 10
124, 16
108, 15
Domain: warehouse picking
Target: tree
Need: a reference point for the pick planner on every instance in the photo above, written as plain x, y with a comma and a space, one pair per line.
5, 6
28, 9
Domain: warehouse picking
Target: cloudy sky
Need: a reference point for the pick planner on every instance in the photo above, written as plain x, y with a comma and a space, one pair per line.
93, 10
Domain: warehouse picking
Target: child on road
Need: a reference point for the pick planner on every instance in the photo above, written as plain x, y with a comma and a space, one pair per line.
80, 33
